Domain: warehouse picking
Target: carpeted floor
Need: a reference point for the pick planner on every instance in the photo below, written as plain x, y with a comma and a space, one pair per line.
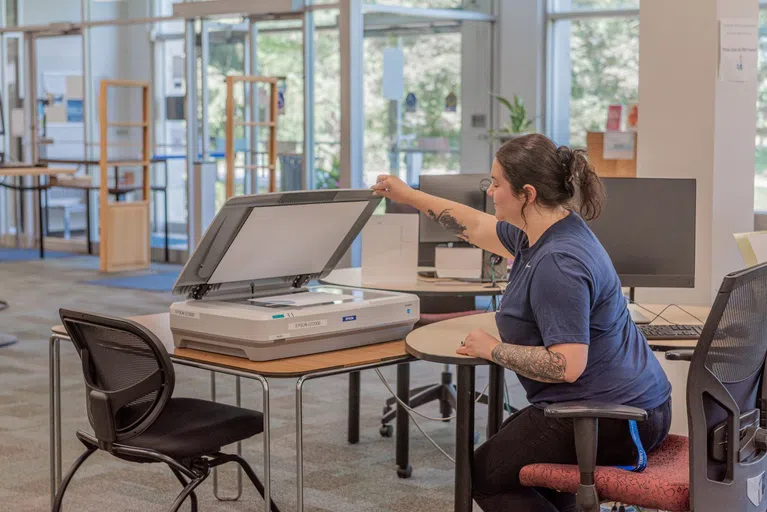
338, 477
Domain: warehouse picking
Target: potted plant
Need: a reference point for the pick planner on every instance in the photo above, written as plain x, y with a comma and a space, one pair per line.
518, 123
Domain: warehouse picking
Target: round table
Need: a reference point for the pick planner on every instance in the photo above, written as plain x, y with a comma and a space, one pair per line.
437, 343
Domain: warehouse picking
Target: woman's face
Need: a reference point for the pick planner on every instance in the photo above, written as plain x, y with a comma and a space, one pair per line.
508, 206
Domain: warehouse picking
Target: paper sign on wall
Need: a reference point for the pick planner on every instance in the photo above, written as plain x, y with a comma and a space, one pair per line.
738, 50
393, 74
618, 146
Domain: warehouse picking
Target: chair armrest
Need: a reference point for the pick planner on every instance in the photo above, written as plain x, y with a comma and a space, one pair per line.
681, 354
595, 410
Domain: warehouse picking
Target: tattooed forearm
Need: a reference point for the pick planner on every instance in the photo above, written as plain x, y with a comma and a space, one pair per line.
536, 363
450, 223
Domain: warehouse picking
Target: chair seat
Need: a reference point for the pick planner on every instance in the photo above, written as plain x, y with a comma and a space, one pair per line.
433, 318
189, 427
664, 485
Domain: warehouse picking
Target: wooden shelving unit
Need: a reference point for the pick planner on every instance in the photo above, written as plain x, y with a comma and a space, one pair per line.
232, 122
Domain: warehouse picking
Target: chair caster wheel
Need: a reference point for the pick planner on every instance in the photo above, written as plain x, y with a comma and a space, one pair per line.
386, 430
405, 473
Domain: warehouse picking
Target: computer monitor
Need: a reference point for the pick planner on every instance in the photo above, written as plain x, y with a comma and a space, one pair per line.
648, 228
467, 189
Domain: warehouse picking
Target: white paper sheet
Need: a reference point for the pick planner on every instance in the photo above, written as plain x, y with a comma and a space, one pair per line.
759, 246
301, 299
738, 50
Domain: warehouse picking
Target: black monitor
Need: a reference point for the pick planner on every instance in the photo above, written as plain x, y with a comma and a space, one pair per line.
648, 228
468, 189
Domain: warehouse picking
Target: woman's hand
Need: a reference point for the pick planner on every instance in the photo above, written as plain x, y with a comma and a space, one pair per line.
478, 344
393, 188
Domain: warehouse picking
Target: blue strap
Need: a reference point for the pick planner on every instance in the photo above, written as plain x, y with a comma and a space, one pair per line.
641, 463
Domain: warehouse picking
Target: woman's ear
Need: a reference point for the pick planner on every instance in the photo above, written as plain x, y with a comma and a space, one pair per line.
532, 194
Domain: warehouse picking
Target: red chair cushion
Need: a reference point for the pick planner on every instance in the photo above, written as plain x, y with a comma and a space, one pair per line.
433, 318
664, 485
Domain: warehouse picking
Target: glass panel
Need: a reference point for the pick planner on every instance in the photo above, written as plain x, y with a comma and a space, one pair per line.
280, 54
571, 5
11, 13
760, 178
169, 89
423, 4
423, 138
604, 70
327, 101
226, 57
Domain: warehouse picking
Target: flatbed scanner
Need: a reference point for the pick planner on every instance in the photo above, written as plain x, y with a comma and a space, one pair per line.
246, 284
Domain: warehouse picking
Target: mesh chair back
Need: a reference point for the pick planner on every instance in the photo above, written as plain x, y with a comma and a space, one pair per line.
725, 390
124, 360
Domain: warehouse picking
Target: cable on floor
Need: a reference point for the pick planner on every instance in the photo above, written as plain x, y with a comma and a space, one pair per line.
410, 412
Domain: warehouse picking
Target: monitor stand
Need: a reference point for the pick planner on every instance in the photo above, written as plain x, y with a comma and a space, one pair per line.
637, 315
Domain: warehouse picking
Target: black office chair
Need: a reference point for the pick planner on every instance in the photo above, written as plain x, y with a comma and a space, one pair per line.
723, 465
129, 381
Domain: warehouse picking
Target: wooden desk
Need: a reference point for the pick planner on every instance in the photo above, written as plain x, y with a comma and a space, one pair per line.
21, 170
438, 343
304, 368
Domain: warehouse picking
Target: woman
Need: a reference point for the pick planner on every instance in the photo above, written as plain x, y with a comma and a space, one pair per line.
564, 326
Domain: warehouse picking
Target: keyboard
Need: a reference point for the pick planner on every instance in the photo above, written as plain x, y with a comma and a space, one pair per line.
670, 332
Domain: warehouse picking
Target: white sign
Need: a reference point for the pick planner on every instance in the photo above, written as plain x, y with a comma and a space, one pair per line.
618, 146
738, 50
393, 74
759, 246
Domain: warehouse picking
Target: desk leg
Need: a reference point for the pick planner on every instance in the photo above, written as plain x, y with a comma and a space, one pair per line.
238, 399
300, 444
40, 217
354, 408
88, 220
267, 447
403, 422
464, 439
495, 400
54, 386
167, 234
52, 415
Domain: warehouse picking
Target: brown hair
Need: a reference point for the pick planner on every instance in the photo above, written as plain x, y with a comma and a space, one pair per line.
558, 174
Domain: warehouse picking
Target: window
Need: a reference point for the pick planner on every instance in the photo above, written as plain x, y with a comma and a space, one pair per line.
594, 63
429, 133
760, 178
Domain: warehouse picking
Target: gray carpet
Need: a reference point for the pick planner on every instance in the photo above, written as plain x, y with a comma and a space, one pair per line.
339, 477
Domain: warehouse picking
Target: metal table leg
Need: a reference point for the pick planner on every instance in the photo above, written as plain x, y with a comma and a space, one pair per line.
354, 408
88, 219
238, 397
40, 219
54, 387
404, 470
464, 439
495, 400
300, 420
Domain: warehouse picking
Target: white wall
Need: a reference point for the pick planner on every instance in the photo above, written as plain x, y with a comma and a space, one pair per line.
694, 126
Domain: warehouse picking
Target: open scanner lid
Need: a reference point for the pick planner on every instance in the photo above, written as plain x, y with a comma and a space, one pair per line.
272, 242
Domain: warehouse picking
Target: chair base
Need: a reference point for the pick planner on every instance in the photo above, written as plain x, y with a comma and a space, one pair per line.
191, 473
